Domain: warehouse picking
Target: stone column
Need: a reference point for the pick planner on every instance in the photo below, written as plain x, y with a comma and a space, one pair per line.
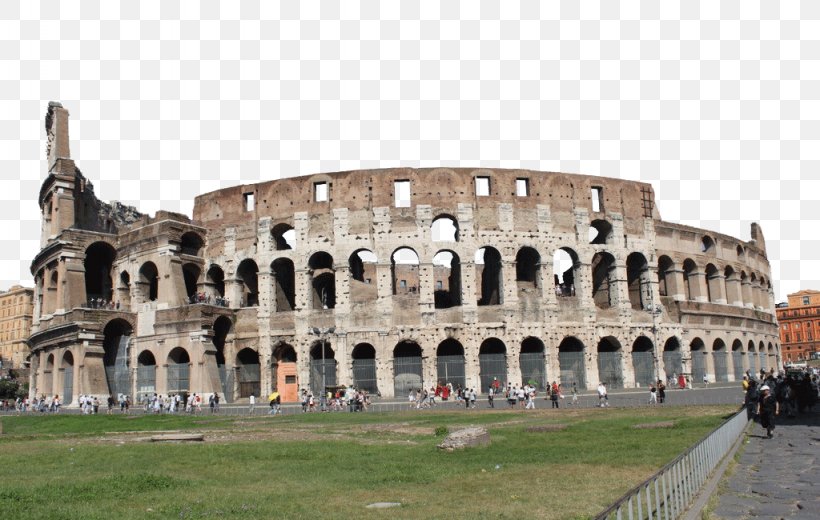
675, 284
717, 287
746, 291
733, 290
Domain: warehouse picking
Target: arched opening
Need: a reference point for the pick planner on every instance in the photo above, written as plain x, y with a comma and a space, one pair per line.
322, 367
698, 350
364, 368
149, 282
489, 273
772, 355
124, 290
707, 245
116, 341
283, 237
733, 288
603, 279
215, 282
754, 361
444, 229
48, 375
571, 363
527, 265
405, 267
191, 244
637, 279
610, 369
99, 258
248, 275
322, 281
739, 250
666, 268
600, 231
363, 286
447, 279
690, 270
284, 378
284, 284
492, 362
179, 371
450, 363
146, 375
565, 264
714, 282
191, 272
672, 358
532, 361
407, 368
222, 327
643, 361
761, 352
737, 359
719, 360
67, 369
247, 373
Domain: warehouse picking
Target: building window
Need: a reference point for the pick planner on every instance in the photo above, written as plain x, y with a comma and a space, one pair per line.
249, 201
320, 192
439, 285
785, 326
597, 194
806, 300
788, 339
403, 284
797, 326
401, 189
522, 187
482, 186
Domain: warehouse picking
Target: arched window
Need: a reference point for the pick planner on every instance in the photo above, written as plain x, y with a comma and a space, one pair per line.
116, 342
407, 368
610, 368
444, 229
283, 237
571, 363
284, 281
364, 368
405, 265
191, 244
492, 362
447, 279
215, 281
450, 363
363, 286
665, 275
99, 258
190, 272
565, 264
600, 231
527, 265
247, 273
690, 270
149, 281
637, 279
489, 271
323, 280
603, 271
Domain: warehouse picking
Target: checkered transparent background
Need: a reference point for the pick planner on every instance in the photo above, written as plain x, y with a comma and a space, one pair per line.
714, 103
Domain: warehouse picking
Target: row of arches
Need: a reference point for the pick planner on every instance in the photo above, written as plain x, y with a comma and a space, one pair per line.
713, 284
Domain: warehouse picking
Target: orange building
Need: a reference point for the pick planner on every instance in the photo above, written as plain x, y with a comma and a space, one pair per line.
16, 309
800, 325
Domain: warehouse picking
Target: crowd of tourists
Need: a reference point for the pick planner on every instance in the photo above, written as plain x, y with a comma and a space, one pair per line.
202, 297
101, 303
767, 396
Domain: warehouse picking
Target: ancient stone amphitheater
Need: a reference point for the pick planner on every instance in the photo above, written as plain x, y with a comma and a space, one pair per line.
387, 280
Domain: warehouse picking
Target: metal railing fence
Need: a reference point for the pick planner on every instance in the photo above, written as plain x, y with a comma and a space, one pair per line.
669, 492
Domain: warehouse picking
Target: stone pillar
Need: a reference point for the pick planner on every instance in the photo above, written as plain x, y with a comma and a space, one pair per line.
675, 284
746, 290
733, 290
591, 375
717, 288
73, 282
426, 288
233, 291
513, 365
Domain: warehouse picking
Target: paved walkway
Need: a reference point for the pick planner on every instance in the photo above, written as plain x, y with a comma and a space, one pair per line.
776, 478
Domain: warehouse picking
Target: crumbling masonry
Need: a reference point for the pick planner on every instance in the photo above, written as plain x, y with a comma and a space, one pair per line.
387, 280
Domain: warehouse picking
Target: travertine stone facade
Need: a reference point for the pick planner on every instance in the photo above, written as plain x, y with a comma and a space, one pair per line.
408, 277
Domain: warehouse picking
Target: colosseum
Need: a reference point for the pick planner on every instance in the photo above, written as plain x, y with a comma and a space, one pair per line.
387, 280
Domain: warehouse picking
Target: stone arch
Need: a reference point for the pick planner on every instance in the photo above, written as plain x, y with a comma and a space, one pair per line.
364, 368
322, 280
532, 360
408, 373
492, 362
733, 287
247, 274
248, 373
322, 367
603, 279
719, 360
178, 371
761, 353
713, 283
565, 265
116, 343
571, 362
754, 361
98, 262
738, 359
610, 365
363, 285
444, 228
707, 244
48, 375
404, 264
450, 363
124, 290
600, 231
215, 281
283, 237
191, 244
527, 268
222, 328
67, 376
446, 279
698, 350
285, 372
489, 273
149, 281
672, 357
690, 271
643, 361
146, 375
666, 276
637, 279
284, 284
190, 273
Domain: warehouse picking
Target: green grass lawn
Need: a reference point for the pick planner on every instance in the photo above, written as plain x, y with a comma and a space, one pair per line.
333, 465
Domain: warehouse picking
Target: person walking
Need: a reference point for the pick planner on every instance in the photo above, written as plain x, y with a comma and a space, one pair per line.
767, 409
661, 392
251, 404
653, 394
603, 400
490, 396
